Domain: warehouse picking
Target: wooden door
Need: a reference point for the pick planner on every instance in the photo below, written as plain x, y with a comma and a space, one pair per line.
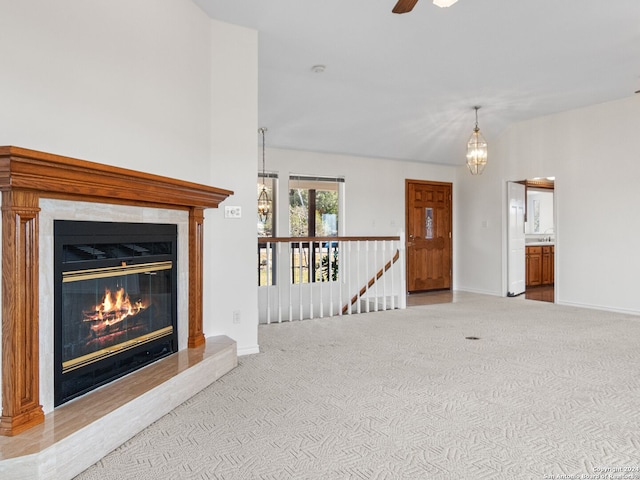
429, 251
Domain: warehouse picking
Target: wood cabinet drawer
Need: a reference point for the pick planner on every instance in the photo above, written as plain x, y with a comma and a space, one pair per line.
534, 250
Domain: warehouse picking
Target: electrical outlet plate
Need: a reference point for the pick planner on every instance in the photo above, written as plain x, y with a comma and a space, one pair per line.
232, 212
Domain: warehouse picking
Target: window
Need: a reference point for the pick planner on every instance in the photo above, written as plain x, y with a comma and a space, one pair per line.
314, 211
314, 206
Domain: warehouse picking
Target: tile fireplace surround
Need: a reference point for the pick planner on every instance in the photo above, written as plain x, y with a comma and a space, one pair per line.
37, 188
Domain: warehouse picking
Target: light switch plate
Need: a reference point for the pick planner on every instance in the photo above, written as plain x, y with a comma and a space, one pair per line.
232, 212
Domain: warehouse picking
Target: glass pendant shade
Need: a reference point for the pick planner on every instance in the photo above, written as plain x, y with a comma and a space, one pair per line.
444, 3
476, 152
264, 205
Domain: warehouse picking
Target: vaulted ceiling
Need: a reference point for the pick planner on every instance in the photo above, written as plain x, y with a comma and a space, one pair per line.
404, 86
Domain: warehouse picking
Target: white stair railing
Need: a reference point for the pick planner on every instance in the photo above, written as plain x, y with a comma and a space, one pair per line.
315, 277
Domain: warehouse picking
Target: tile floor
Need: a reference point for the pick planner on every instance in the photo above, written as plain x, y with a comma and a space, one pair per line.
543, 293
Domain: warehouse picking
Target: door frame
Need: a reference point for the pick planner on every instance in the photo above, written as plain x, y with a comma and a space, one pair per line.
541, 183
407, 182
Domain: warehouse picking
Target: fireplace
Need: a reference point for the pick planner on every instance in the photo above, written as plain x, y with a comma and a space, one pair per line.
28, 177
114, 299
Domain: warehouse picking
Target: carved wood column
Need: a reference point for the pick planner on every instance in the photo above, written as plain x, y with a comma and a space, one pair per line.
21, 407
196, 251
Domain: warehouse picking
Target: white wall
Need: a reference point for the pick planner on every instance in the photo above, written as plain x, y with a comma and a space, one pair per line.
479, 224
117, 82
144, 85
592, 152
234, 135
374, 187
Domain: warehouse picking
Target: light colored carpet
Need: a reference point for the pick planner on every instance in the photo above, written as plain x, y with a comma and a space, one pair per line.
547, 392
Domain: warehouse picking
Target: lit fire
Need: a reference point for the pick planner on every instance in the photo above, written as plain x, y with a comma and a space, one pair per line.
114, 308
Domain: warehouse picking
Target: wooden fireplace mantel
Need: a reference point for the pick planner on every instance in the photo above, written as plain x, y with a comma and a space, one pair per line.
25, 177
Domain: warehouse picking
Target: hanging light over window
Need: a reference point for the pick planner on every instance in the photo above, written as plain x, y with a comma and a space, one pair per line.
264, 202
476, 150
444, 3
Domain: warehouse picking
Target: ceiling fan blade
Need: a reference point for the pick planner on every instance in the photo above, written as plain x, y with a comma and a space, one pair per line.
404, 6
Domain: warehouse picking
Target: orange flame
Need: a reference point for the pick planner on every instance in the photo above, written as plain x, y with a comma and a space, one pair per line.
115, 308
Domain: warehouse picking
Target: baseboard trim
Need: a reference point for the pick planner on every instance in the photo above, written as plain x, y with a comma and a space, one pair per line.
249, 350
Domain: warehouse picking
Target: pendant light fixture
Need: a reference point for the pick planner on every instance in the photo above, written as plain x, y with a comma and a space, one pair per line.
264, 203
476, 150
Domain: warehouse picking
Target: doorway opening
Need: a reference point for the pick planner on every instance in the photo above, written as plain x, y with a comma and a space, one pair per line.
531, 239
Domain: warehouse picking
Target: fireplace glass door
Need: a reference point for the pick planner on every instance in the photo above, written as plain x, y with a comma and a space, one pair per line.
115, 302
108, 310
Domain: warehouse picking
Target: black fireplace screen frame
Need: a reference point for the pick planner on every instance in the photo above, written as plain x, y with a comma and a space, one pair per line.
87, 246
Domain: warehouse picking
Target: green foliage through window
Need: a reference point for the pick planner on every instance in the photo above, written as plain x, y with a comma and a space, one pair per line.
323, 219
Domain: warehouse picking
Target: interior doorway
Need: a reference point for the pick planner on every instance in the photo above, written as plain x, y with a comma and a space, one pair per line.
539, 240
429, 241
